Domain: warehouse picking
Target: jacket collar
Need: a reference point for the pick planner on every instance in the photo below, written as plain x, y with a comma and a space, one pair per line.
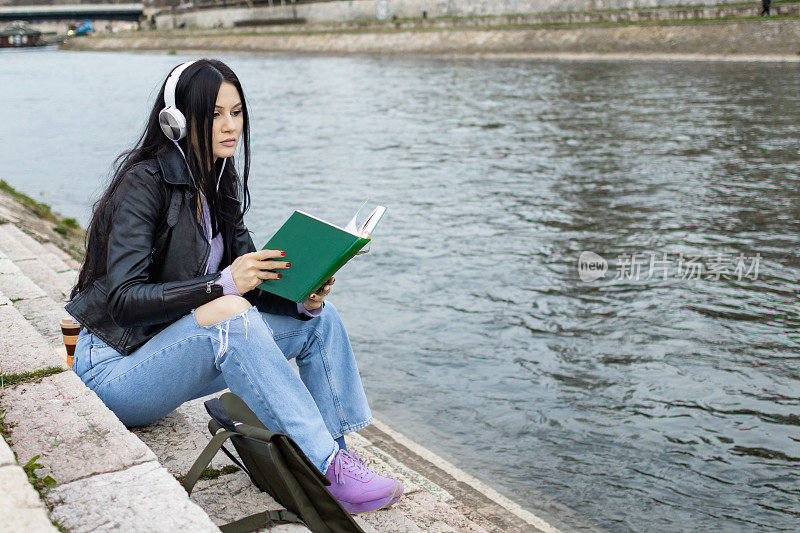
173, 167
175, 171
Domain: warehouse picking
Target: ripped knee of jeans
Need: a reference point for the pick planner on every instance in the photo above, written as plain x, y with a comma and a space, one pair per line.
224, 327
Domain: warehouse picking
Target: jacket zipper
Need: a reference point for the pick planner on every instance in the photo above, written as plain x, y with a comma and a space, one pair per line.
191, 288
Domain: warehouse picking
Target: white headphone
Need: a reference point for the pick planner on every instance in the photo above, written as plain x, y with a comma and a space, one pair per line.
172, 121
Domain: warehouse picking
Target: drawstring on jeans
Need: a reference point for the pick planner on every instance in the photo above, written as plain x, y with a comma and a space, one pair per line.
225, 326
223, 344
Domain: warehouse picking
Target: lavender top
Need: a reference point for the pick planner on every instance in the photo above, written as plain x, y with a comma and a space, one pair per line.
226, 279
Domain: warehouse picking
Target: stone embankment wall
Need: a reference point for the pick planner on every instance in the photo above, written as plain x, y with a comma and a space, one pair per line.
373, 10
748, 39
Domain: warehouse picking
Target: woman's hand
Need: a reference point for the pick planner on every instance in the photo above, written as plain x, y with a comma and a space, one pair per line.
315, 300
250, 269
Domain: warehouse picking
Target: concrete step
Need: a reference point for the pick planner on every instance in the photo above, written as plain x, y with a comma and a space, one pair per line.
37, 290
9, 245
177, 443
57, 285
22, 348
15, 284
106, 478
179, 438
35, 305
45, 316
20, 507
32, 246
39, 264
61, 254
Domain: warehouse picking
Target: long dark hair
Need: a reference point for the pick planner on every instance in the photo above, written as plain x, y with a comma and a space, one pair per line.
195, 97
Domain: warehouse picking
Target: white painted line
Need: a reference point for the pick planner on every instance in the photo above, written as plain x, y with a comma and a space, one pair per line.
473, 482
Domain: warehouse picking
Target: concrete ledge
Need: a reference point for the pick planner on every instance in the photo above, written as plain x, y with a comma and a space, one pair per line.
20, 507
17, 286
10, 246
45, 316
177, 443
35, 247
106, 478
7, 266
76, 435
6, 455
22, 349
61, 254
777, 40
142, 498
53, 283
478, 502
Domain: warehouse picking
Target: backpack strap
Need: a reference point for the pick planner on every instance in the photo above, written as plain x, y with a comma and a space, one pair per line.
248, 523
259, 520
205, 458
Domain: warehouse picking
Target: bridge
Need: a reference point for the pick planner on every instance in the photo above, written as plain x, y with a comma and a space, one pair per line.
126, 12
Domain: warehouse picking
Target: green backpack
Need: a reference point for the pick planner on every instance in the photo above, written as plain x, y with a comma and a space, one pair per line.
276, 465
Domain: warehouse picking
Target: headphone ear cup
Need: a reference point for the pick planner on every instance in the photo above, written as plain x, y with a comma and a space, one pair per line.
172, 123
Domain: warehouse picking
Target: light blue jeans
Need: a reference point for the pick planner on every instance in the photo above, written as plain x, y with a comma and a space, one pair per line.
249, 354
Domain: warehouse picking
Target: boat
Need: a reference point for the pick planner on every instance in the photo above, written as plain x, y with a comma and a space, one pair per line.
19, 34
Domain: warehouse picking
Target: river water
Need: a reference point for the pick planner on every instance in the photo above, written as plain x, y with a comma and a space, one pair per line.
648, 399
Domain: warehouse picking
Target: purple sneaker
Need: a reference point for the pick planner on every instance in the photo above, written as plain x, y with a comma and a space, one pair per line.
357, 487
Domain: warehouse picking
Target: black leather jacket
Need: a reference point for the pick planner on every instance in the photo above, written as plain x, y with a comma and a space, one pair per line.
157, 253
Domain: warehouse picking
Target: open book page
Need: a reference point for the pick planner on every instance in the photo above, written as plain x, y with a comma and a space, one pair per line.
351, 226
368, 225
372, 221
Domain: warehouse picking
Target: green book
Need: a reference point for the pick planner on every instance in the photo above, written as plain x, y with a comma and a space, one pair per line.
317, 250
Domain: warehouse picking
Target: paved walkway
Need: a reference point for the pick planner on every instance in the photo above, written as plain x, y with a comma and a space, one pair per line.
107, 477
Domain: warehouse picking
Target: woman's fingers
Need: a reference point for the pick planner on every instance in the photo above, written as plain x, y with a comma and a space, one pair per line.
323, 291
269, 265
266, 274
266, 254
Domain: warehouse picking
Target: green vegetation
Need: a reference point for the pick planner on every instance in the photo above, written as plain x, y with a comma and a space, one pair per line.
3, 432
41, 484
66, 227
213, 473
40, 209
9, 380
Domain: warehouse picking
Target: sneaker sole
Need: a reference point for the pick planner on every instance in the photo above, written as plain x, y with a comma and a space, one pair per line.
374, 505
396, 496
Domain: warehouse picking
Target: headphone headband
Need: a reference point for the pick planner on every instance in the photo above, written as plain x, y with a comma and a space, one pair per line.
172, 83
171, 120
